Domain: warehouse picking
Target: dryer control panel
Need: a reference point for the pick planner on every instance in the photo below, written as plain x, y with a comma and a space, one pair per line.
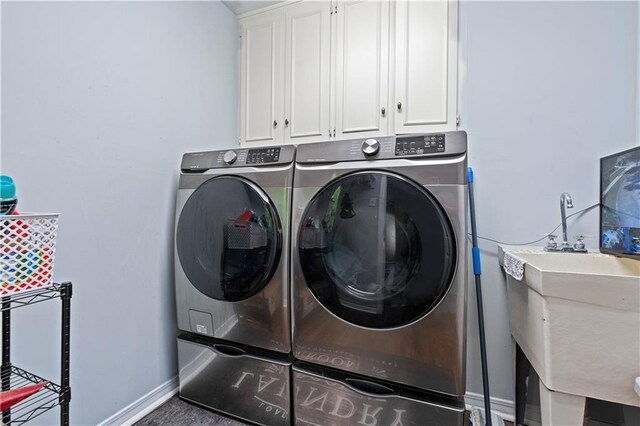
418, 145
263, 155
195, 162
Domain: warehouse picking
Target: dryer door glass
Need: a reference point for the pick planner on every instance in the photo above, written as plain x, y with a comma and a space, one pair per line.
376, 249
228, 238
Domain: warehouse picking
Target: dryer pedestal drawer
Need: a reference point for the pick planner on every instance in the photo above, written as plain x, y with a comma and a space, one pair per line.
330, 398
234, 380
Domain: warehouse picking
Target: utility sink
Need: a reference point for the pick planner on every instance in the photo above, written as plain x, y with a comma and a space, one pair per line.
577, 319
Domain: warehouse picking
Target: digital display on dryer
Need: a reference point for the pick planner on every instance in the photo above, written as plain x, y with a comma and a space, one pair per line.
418, 145
263, 155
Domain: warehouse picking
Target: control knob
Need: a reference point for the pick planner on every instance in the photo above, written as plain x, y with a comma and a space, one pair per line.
370, 147
230, 157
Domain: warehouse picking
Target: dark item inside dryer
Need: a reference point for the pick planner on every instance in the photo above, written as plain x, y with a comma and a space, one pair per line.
376, 249
228, 238
246, 244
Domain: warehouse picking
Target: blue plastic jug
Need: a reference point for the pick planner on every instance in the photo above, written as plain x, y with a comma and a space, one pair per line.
8, 199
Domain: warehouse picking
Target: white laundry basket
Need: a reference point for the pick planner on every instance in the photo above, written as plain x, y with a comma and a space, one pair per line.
27, 251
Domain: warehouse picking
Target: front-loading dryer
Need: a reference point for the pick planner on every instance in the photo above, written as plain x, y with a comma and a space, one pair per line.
232, 245
379, 260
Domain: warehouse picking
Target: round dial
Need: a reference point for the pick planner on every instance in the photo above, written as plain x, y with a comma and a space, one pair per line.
370, 147
230, 157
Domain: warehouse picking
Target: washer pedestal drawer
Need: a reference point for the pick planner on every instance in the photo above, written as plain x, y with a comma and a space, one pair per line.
331, 398
235, 380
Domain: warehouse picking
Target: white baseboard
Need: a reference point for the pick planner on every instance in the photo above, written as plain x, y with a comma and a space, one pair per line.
502, 407
144, 405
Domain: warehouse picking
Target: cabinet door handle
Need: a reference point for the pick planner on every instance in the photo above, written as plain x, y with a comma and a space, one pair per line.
399, 106
275, 123
286, 122
383, 111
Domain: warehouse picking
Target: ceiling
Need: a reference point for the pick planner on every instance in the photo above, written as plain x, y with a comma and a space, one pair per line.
242, 6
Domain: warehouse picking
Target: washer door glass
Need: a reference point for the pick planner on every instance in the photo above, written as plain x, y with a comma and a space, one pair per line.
376, 249
228, 238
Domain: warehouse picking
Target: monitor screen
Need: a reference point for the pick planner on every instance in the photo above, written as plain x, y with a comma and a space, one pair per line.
620, 203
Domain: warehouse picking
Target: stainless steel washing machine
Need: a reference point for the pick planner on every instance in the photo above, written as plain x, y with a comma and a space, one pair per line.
232, 245
379, 259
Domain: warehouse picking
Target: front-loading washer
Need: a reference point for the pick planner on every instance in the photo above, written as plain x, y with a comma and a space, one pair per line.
232, 245
379, 260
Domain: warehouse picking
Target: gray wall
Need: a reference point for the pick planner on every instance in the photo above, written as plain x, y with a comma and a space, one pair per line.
547, 88
99, 101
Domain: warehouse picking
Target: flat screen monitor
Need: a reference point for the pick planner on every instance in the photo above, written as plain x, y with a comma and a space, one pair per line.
620, 203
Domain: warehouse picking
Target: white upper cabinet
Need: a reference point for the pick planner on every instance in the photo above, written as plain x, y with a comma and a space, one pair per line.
426, 52
362, 69
308, 68
262, 80
321, 70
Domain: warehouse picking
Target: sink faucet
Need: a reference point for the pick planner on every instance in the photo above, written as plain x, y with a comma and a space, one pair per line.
578, 246
565, 203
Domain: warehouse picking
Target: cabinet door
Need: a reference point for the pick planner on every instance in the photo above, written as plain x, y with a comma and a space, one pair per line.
262, 80
307, 71
426, 66
362, 69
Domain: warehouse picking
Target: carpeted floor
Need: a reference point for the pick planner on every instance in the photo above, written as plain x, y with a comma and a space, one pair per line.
178, 412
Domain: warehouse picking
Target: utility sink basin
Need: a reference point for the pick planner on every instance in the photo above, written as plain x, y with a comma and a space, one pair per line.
577, 319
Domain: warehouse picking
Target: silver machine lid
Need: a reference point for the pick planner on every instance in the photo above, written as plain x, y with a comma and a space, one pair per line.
387, 147
237, 157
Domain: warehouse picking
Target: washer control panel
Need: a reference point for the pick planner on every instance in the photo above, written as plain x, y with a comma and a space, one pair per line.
419, 145
414, 147
263, 155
